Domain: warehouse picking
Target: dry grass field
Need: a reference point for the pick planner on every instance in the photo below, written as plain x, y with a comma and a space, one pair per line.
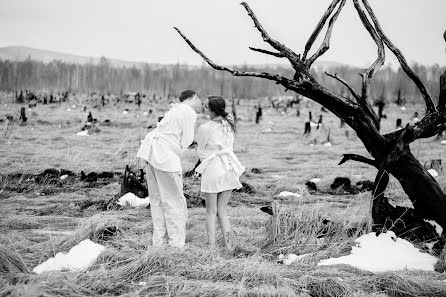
38, 220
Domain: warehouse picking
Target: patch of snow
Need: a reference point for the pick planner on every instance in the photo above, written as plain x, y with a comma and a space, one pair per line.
267, 130
83, 133
327, 144
437, 227
291, 258
430, 245
145, 113
276, 176
384, 252
286, 194
313, 124
125, 112
133, 200
315, 180
433, 172
63, 177
403, 108
68, 109
74, 106
443, 142
80, 257
415, 120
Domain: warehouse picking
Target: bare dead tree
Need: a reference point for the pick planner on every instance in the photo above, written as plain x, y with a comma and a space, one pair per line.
390, 153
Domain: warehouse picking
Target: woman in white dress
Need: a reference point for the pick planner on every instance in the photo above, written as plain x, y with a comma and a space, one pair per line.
220, 169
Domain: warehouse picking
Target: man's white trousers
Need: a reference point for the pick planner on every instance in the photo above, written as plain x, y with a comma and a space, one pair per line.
168, 207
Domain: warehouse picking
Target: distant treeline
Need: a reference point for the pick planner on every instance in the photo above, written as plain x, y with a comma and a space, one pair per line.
172, 79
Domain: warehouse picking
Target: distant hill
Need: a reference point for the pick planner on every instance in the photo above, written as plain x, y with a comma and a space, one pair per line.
21, 53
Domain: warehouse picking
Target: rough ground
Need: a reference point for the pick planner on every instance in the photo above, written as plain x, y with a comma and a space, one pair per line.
38, 220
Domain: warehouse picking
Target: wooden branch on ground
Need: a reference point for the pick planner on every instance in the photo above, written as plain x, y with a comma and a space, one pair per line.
318, 28
326, 43
430, 106
358, 158
278, 55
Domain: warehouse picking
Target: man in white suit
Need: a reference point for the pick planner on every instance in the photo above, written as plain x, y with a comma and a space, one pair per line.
161, 150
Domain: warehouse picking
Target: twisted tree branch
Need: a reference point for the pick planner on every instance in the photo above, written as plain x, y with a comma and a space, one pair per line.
277, 78
345, 83
318, 28
430, 106
326, 43
278, 55
367, 76
288, 53
358, 158
431, 125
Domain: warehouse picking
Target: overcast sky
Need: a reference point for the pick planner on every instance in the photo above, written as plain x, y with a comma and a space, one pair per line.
141, 30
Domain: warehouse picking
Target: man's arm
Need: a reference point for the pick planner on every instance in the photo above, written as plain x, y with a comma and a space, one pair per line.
188, 130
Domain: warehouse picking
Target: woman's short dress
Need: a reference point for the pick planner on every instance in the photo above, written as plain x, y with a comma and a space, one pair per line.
220, 169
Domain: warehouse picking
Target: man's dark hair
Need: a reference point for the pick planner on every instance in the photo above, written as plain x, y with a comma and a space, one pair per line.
187, 94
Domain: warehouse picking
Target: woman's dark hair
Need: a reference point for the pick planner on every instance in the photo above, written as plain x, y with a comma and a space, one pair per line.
217, 105
187, 94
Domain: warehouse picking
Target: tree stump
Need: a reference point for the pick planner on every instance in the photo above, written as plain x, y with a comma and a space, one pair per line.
23, 117
307, 128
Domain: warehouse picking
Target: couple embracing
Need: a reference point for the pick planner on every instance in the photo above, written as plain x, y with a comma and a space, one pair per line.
220, 169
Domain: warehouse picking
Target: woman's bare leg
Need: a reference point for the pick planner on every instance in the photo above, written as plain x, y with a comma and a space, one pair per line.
211, 212
222, 203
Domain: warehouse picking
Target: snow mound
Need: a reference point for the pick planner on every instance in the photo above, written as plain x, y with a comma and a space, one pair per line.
80, 257
291, 258
83, 133
437, 226
384, 252
286, 194
276, 176
133, 200
433, 172
315, 180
